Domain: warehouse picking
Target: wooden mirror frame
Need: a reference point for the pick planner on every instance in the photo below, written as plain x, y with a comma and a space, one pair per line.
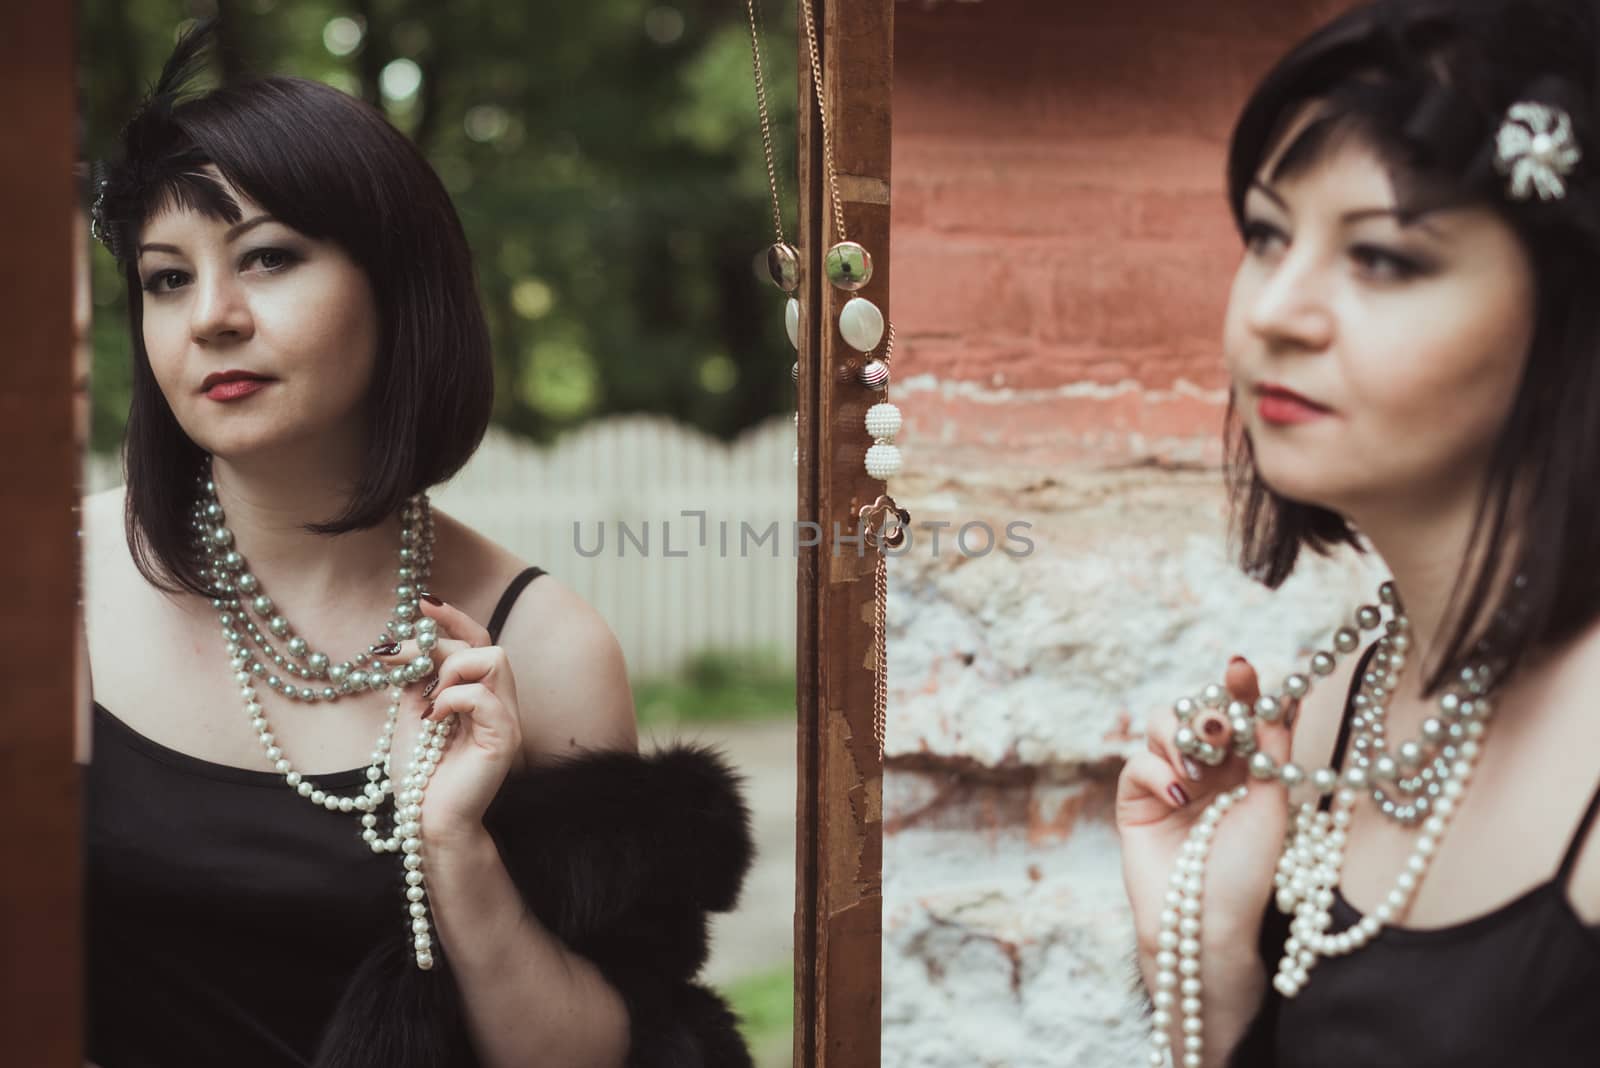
838, 876
40, 468
839, 810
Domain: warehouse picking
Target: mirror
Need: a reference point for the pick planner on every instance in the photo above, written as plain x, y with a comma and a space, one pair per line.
605, 164
1064, 253
1122, 241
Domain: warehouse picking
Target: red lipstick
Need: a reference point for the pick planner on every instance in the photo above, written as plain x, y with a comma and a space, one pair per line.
232, 385
1282, 406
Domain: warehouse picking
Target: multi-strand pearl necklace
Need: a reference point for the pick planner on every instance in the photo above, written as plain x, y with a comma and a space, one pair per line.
1311, 864
1313, 856
229, 575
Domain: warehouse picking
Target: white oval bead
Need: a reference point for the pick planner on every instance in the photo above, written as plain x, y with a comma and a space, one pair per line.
861, 324
791, 321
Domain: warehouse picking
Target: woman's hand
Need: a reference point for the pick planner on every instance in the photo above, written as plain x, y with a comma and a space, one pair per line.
474, 681
1159, 800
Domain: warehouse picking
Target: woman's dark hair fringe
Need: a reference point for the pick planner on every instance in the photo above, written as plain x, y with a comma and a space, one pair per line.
333, 168
1424, 85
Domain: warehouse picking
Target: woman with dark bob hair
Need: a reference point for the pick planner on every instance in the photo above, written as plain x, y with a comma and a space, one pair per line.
1391, 859
520, 885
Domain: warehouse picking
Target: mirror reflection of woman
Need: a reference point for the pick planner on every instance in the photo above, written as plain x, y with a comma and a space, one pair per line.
308, 341
1414, 350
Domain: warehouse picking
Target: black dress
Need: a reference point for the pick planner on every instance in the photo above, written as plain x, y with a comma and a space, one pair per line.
1519, 985
230, 923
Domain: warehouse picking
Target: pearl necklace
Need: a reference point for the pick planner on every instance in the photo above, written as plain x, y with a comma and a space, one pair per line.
1313, 857
228, 573
215, 540
1373, 767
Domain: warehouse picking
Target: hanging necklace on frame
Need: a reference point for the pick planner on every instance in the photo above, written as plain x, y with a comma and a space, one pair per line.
862, 326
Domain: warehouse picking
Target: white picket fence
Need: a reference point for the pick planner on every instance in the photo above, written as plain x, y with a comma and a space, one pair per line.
641, 472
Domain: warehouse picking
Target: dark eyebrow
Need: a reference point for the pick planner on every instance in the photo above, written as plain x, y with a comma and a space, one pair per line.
233, 232
1358, 214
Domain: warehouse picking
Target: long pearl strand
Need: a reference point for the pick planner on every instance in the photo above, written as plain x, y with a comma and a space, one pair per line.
228, 572
1314, 850
1178, 959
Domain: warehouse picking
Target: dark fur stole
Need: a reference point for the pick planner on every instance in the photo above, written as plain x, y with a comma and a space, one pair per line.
621, 856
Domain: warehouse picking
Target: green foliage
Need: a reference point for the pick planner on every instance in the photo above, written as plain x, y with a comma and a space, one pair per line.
719, 686
606, 161
764, 1004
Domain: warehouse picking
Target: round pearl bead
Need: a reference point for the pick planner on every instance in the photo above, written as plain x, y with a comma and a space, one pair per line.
883, 421
883, 460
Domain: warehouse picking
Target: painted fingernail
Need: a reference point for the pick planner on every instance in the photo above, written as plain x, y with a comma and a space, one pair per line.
1191, 769
386, 649
1294, 713
1235, 660
429, 688
1179, 798
430, 598
426, 712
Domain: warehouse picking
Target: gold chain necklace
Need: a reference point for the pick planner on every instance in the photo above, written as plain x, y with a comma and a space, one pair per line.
848, 266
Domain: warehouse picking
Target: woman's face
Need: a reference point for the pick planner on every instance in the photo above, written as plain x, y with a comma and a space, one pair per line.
1413, 338
261, 298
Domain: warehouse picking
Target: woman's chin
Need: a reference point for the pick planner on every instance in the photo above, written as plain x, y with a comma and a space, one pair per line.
239, 443
1299, 483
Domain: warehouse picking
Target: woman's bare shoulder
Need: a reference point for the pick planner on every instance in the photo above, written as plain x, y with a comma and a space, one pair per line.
104, 542
99, 508
571, 673
474, 570
102, 547
470, 568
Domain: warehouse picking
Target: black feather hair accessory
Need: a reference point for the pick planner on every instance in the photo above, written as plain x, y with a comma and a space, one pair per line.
151, 148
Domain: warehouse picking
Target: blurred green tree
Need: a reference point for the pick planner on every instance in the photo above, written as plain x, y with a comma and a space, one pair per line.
605, 158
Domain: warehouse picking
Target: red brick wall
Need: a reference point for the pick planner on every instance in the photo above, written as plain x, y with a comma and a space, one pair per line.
1062, 245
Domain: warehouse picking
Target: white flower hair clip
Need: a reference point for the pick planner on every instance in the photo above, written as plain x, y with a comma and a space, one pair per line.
1536, 148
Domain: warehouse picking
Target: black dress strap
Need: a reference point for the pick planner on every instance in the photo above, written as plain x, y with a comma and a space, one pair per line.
508, 598
1574, 847
1337, 763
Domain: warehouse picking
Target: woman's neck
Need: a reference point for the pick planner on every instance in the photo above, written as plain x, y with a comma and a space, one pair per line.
1424, 549
267, 504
